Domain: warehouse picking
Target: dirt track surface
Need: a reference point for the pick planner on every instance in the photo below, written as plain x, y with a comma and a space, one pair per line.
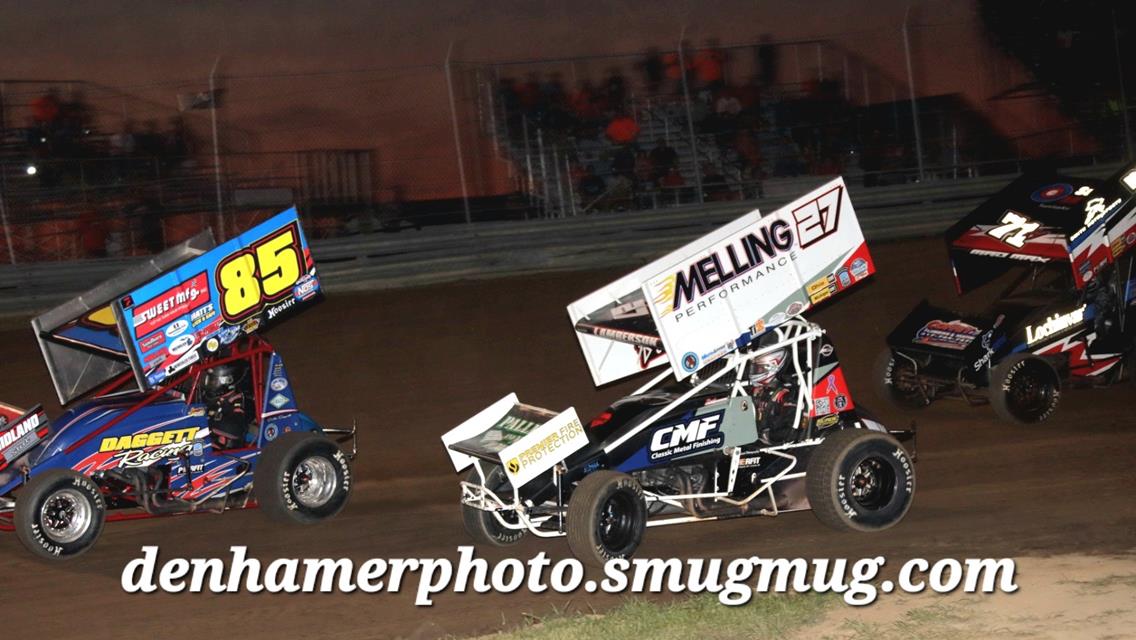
408, 365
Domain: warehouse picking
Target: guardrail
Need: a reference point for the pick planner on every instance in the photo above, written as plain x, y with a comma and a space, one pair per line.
497, 249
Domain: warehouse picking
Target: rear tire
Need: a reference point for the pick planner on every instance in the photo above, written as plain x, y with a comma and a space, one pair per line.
302, 477
483, 526
606, 517
1024, 389
892, 376
59, 514
860, 480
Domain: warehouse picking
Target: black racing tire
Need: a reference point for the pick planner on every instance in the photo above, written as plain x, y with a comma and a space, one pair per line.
890, 376
607, 515
302, 477
860, 480
483, 526
59, 514
1025, 389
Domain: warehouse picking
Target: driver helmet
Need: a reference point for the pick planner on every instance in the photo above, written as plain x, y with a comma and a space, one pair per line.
221, 379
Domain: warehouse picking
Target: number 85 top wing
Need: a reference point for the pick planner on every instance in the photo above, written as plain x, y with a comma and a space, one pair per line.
239, 287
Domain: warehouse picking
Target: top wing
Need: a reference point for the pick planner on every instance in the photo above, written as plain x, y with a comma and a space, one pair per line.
240, 287
731, 285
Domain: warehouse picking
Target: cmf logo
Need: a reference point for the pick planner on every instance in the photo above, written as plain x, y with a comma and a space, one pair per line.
689, 433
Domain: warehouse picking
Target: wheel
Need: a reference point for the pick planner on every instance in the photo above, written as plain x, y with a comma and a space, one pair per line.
894, 377
860, 480
483, 526
606, 517
59, 514
1024, 389
302, 477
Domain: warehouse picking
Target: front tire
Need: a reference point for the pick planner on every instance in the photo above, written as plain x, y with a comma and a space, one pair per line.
860, 480
894, 378
59, 514
302, 477
483, 526
606, 517
1024, 389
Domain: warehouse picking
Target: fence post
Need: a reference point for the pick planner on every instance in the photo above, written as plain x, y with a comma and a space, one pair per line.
457, 134
1123, 95
689, 116
4, 217
911, 91
216, 150
543, 169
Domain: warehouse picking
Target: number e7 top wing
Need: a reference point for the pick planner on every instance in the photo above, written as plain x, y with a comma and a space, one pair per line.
724, 289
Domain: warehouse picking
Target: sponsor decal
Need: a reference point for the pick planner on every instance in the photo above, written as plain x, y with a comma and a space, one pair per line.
228, 333
144, 449
749, 462
827, 421
203, 314
954, 334
212, 345
270, 432
766, 249
182, 345
173, 303
251, 325
152, 340
278, 384
822, 406
1094, 211
687, 437
1052, 193
859, 268
1014, 229
826, 350
1054, 325
794, 308
182, 362
778, 318
15, 441
546, 447
177, 328
306, 288
690, 362
278, 400
843, 278
272, 312
986, 253
841, 402
626, 336
821, 289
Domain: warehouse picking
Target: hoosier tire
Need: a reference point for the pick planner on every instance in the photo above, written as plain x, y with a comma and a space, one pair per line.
302, 477
59, 514
483, 526
891, 376
606, 517
860, 480
1024, 389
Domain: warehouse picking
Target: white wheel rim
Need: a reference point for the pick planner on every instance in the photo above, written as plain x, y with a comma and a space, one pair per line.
65, 516
314, 481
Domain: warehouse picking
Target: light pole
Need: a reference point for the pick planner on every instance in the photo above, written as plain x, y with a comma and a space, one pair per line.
216, 150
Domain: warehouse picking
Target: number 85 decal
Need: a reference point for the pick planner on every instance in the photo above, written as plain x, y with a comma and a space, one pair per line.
262, 273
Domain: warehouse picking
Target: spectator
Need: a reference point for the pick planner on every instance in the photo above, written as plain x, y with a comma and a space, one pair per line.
45, 109
623, 162
663, 159
709, 66
767, 60
615, 90
591, 186
654, 71
622, 129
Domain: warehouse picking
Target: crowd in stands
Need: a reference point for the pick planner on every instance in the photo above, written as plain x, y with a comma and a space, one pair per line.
628, 141
60, 132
